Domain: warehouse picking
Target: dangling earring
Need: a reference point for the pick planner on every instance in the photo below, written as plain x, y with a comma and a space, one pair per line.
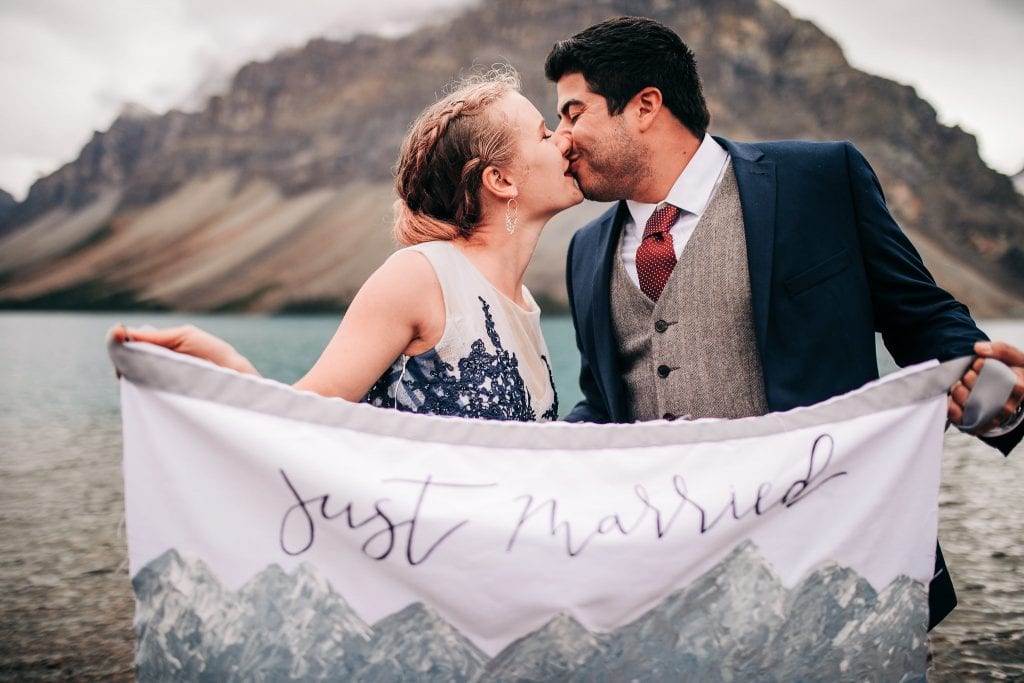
511, 215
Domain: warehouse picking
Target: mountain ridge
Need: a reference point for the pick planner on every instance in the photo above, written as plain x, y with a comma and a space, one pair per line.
276, 195
830, 623
7, 204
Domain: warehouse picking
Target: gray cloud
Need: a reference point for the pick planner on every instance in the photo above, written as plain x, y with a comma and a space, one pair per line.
67, 68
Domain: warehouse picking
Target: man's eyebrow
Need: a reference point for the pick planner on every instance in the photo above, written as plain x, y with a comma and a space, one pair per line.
564, 111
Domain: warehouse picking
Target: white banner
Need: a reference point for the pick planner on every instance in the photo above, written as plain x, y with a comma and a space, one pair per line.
275, 534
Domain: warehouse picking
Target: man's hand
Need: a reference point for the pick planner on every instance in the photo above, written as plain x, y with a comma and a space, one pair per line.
190, 340
1011, 412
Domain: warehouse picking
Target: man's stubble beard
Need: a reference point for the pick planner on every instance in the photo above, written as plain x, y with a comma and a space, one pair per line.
616, 168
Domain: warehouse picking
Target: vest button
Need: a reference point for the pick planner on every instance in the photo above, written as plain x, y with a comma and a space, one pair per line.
668, 416
660, 326
663, 371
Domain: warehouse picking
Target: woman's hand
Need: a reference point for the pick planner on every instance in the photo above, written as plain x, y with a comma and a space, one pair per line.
189, 340
398, 310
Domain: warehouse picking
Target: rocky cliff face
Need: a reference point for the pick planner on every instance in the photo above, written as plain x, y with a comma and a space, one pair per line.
7, 205
277, 196
7, 202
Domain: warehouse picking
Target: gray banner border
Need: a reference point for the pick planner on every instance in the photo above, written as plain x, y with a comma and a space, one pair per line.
159, 369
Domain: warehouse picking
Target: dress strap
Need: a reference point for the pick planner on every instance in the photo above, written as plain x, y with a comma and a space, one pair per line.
450, 269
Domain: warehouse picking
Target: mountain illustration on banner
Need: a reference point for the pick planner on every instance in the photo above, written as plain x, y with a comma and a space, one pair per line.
735, 622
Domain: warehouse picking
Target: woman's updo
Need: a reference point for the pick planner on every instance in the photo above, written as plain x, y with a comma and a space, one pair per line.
440, 168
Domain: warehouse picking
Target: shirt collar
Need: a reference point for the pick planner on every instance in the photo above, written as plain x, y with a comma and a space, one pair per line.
693, 188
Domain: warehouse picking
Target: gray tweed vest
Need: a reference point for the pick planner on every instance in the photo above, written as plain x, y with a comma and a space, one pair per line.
693, 353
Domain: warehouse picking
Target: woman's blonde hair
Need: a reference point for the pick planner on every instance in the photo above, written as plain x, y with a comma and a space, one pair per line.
440, 167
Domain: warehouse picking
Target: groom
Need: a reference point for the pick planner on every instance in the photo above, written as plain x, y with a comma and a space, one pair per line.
791, 261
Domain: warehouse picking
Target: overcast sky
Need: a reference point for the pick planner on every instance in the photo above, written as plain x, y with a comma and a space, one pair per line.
67, 67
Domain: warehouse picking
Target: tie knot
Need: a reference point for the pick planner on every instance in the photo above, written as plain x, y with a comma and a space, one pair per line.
663, 218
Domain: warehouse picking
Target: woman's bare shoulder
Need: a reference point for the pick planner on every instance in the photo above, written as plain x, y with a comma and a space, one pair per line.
406, 274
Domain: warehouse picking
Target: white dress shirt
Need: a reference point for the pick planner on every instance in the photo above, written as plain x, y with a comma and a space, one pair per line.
691, 193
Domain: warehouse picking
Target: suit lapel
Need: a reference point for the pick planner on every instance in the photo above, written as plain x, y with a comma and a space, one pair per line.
604, 338
757, 186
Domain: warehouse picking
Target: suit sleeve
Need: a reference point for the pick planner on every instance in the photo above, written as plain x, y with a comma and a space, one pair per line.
592, 408
918, 320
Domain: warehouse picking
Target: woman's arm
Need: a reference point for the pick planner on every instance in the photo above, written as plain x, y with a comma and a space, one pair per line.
399, 309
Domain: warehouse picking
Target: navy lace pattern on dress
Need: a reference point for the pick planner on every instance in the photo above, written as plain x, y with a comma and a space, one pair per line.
488, 385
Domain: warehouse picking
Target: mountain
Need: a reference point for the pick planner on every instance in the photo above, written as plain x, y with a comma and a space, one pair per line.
182, 614
276, 195
297, 628
277, 627
735, 622
415, 644
7, 204
1018, 181
702, 630
825, 601
738, 622
551, 653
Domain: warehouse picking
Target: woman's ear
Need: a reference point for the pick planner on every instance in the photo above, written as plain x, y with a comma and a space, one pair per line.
499, 184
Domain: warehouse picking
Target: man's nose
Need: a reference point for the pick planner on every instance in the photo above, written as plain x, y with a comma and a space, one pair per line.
563, 138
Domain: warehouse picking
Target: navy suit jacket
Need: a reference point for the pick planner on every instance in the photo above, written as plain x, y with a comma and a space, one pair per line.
828, 268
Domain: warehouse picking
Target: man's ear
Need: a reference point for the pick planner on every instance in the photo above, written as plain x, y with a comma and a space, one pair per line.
499, 184
647, 104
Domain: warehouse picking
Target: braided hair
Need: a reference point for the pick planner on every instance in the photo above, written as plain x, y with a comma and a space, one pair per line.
440, 167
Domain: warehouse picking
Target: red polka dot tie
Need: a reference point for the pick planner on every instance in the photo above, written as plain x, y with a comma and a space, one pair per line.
656, 256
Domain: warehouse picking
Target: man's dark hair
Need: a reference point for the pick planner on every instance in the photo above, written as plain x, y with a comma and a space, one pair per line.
620, 57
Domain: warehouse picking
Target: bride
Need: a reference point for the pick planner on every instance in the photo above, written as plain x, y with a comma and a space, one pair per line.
445, 326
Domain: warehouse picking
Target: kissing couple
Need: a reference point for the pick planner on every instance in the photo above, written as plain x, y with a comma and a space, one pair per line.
728, 280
